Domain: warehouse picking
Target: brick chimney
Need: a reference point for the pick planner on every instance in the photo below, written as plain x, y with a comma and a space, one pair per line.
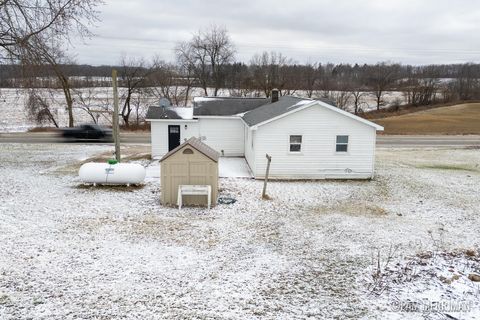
275, 95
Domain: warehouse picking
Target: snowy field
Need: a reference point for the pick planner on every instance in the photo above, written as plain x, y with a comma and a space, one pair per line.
325, 249
15, 118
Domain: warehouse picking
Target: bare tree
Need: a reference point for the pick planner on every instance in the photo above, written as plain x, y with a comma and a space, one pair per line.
96, 106
207, 54
270, 72
467, 85
34, 31
381, 77
133, 74
358, 97
168, 81
44, 52
311, 78
39, 107
22, 20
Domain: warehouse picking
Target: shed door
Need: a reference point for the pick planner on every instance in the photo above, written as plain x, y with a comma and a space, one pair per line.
173, 136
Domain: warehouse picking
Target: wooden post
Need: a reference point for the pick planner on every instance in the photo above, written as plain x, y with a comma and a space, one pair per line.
116, 128
264, 193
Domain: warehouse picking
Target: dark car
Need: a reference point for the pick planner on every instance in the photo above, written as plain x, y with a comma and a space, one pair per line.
85, 132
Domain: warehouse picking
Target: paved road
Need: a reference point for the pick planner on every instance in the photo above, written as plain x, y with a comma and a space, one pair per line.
49, 137
382, 140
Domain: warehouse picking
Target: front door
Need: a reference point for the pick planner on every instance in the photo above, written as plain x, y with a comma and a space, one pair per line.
173, 137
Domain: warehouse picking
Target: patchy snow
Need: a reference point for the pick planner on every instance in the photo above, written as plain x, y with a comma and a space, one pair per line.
233, 167
70, 251
184, 112
428, 282
300, 103
206, 99
228, 167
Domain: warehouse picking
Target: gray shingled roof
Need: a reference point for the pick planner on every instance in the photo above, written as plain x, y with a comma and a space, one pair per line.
198, 145
225, 106
161, 113
272, 110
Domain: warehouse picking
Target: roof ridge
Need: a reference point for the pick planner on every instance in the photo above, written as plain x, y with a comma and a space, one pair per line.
297, 97
213, 97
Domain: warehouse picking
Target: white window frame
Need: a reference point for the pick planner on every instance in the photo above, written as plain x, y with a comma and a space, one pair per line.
290, 144
342, 144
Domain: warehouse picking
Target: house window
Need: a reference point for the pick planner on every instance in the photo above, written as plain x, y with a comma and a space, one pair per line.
342, 144
295, 143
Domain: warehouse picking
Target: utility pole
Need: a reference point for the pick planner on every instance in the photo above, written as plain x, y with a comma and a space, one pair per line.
116, 128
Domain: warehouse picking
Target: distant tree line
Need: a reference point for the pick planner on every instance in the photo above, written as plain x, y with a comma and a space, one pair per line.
207, 62
343, 83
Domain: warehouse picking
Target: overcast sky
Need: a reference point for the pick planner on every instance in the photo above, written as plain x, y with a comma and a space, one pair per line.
407, 31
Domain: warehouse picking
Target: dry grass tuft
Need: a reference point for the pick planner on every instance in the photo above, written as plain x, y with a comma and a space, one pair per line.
353, 208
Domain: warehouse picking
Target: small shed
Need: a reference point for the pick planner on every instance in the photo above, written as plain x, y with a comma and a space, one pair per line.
191, 163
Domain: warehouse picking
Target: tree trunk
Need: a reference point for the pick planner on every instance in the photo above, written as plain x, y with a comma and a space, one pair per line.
379, 99
68, 97
52, 118
126, 110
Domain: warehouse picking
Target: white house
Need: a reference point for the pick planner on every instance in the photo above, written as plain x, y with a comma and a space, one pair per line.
307, 139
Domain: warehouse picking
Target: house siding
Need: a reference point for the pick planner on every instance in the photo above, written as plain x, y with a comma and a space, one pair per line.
318, 159
224, 134
159, 134
249, 151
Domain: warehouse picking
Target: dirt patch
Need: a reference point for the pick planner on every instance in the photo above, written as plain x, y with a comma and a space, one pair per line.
353, 208
116, 188
449, 167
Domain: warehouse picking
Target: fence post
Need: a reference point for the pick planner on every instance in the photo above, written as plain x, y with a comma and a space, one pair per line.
264, 193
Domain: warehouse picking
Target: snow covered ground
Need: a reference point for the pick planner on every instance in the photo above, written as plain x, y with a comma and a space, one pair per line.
69, 251
233, 167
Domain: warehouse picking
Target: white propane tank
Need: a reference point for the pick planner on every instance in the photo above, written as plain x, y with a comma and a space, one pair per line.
104, 173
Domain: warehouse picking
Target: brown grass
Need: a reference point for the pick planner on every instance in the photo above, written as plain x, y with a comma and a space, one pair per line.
457, 119
136, 127
43, 129
406, 109
353, 208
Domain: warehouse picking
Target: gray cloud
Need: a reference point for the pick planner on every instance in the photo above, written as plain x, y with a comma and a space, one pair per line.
407, 31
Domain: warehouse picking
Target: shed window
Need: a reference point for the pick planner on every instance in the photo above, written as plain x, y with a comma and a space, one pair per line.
342, 144
188, 151
295, 143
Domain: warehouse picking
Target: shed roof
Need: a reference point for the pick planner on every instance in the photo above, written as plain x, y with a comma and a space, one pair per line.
198, 145
225, 106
